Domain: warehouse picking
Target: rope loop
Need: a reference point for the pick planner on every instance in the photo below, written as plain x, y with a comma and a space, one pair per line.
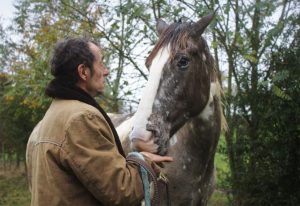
144, 176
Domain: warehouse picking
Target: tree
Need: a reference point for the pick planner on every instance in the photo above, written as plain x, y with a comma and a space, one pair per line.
278, 153
248, 47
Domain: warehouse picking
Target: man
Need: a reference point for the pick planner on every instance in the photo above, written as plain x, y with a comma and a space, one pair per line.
74, 156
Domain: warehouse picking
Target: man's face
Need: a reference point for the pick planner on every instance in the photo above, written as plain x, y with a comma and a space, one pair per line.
96, 80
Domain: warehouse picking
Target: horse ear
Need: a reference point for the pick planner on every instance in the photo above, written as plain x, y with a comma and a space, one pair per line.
161, 25
201, 25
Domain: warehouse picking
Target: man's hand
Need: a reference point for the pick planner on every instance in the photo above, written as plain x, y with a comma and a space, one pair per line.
157, 158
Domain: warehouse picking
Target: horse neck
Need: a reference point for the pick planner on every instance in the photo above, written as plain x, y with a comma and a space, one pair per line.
201, 133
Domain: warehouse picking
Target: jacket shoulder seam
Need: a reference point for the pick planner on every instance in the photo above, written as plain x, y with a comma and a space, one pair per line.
47, 141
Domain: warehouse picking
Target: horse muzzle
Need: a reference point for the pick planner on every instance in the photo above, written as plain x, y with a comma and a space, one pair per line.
142, 140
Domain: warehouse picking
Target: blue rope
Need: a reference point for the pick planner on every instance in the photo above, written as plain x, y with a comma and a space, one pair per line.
145, 180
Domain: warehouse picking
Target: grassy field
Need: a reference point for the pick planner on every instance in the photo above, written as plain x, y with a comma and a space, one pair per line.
14, 191
218, 199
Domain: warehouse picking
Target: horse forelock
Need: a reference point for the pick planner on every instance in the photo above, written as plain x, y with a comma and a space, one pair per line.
176, 35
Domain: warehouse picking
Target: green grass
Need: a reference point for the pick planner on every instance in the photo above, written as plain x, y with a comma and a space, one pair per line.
222, 172
222, 166
218, 199
14, 190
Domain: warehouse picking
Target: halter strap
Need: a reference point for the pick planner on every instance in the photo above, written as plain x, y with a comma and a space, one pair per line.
158, 182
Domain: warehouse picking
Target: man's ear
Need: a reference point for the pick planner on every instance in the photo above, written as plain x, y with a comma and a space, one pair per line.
82, 72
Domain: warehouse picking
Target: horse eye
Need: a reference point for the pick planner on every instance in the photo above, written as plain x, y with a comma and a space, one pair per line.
183, 63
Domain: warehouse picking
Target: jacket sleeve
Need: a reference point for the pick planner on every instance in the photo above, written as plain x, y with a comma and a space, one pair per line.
91, 153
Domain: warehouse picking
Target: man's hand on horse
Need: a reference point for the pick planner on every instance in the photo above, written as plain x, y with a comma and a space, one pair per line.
157, 158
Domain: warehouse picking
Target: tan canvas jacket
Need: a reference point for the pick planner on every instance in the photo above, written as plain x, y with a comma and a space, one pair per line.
72, 159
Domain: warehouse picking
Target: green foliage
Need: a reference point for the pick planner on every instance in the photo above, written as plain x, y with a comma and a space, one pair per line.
26, 69
222, 166
249, 34
218, 199
280, 93
268, 163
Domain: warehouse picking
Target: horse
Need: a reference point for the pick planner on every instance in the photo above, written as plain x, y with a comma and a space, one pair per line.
180, 112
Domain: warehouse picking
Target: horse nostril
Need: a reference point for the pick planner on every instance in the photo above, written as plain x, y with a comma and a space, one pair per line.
152, 128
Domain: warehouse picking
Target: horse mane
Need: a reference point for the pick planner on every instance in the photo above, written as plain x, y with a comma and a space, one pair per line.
220, 96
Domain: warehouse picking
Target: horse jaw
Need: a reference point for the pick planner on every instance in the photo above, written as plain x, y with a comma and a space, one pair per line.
141, 138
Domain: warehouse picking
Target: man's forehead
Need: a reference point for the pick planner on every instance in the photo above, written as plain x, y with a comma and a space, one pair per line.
96, 49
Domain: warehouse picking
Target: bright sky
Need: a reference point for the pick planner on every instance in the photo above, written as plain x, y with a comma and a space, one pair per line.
6, 10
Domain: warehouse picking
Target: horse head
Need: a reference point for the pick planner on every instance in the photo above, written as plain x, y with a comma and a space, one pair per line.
178, 87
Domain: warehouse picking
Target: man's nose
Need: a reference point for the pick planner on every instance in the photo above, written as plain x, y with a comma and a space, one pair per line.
106, 71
